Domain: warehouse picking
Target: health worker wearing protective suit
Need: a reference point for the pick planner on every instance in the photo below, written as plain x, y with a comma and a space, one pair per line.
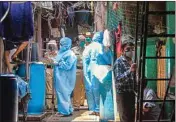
91, 59
65, 76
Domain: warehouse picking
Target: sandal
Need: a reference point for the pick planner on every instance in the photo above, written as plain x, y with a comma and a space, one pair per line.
97, 113
93, 113
76, 108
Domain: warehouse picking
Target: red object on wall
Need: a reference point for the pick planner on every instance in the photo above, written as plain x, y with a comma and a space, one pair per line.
118, 36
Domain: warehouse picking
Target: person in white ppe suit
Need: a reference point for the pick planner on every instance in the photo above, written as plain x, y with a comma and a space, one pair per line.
93, 56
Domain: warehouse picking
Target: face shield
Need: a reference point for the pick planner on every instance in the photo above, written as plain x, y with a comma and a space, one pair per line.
51, 46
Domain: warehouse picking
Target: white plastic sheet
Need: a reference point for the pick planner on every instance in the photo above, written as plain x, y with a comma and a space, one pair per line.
101, 71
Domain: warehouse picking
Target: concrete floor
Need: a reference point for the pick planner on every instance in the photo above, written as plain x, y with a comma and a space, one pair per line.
78, 116
82, 115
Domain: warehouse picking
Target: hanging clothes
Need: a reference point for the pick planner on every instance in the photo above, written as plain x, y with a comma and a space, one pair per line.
71, 15
23, 87
118, 36
99, 16
65, 76
90, 20
83, 16
18, 25
107, 38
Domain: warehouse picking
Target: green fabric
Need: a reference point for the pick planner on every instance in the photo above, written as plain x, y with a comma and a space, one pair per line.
170, 46
151, 64
170, 51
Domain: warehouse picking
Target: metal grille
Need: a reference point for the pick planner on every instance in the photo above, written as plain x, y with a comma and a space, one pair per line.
126, 13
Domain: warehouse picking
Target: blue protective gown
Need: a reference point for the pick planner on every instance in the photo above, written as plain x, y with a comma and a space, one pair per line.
87, 79
94, 54
65, 76
106, 94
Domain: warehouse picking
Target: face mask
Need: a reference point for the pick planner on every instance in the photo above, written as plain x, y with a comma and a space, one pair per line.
129, 54
81, 44
88, 40
63, 48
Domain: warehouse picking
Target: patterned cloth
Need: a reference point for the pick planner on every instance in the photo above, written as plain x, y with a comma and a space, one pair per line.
123, 77
23, 87
149, 94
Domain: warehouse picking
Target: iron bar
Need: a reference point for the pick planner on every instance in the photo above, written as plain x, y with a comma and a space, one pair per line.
161, 35
143, 57
162, 108
161, 12
148, 57
136, 41
140, 62
173, 115
166, 120
27, 62
168, 100
153, 79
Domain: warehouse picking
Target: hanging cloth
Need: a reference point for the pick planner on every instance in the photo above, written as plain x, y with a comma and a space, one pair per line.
18, 25
107, 38
118, 37
71, 15
83, 16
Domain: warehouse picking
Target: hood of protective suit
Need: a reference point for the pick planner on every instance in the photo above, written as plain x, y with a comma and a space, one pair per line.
98, 37
65, 44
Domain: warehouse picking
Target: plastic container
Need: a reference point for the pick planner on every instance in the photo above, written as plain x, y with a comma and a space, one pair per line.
8, 98
37, 87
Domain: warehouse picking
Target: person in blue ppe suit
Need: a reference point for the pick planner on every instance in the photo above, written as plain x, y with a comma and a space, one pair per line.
93, 55
65, 76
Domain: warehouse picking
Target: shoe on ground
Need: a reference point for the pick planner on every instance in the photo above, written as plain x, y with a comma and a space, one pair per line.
62, 115
93, 113
76, 108
97, 113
